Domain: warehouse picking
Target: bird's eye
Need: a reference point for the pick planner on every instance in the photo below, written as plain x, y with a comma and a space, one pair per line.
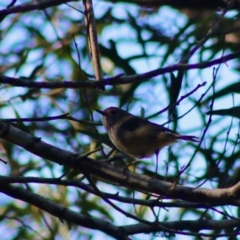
113, 112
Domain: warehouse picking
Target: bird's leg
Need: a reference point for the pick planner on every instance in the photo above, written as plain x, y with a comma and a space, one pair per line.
113, 159
136, 160
156, 171
131, 163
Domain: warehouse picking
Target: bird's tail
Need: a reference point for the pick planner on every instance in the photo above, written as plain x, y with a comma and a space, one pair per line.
188, 138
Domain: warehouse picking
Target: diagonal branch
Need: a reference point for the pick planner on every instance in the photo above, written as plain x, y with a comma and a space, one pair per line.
63, 213
100, 169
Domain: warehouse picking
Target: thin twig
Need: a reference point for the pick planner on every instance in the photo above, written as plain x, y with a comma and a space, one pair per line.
179, 100
37, 119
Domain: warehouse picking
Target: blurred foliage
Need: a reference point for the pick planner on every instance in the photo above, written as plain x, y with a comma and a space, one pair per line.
51, 45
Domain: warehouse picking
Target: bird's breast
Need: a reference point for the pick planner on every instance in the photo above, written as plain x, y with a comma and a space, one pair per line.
133, 144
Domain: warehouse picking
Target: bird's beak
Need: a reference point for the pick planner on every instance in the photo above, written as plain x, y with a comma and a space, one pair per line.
101, 112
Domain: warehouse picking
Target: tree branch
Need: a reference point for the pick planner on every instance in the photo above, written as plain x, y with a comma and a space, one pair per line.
195, 226
26, 7
62, 212
86, 187
117, 80
191, 4
224, 196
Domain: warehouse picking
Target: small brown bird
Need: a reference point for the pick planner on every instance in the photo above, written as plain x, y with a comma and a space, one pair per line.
136, 136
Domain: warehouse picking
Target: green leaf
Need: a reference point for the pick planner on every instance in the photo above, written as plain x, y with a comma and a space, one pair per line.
234, 88
233, 112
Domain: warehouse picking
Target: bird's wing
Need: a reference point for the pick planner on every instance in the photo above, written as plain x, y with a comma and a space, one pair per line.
132, 123
161, 128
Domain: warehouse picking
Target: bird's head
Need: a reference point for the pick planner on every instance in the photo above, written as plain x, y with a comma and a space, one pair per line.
112, 115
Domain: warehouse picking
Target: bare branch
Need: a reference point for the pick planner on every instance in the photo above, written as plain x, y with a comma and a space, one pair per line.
224, 196
86, 187
63, 212
117, 80
26, 7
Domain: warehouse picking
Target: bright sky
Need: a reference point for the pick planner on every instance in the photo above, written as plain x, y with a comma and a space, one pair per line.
154, 93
